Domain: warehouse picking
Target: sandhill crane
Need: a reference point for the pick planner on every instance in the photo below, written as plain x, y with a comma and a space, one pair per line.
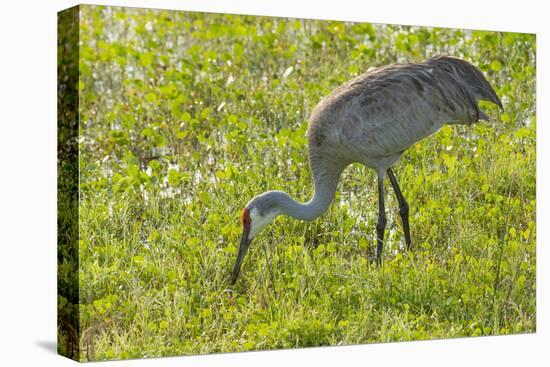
372, 119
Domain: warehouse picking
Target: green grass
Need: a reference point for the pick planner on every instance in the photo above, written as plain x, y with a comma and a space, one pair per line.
184, 117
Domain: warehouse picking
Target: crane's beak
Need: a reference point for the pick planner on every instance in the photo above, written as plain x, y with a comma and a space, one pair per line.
243, 247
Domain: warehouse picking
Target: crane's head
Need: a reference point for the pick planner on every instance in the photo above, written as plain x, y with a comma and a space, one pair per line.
469, 76
257, 214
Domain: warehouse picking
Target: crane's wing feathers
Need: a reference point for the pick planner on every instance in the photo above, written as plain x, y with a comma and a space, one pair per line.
385, 111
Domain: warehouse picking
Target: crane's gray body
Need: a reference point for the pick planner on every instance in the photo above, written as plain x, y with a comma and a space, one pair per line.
375, 117
372, 120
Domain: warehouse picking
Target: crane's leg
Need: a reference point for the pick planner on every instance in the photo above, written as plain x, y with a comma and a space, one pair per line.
381, 224
403, 207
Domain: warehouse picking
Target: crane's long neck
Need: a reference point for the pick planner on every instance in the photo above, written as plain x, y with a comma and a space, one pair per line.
326, 177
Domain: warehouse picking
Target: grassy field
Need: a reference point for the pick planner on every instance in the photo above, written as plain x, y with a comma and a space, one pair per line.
184, 117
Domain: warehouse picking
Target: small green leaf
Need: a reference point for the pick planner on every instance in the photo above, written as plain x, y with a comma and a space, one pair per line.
172, 275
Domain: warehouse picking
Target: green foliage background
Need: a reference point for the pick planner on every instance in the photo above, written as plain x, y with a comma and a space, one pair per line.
186, 116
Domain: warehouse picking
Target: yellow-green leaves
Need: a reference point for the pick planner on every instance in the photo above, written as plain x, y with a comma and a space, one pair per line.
186, 116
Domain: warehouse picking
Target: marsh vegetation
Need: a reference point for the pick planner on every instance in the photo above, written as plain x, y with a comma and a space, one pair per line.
186, 116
